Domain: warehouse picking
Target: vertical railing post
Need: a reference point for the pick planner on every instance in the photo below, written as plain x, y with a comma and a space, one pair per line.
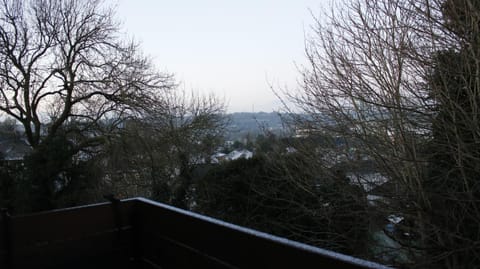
117, 218
136, 246
7, 237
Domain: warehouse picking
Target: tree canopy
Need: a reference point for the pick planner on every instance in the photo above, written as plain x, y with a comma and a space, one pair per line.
64, 65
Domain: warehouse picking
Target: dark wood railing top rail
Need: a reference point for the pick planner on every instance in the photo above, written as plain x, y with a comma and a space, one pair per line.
139, 233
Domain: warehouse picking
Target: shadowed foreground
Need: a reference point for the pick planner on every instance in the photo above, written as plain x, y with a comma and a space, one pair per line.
139, 233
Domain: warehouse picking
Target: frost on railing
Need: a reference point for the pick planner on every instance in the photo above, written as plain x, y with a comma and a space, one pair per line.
139, 233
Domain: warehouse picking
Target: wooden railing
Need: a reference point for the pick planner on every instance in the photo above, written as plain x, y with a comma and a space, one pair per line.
139, 233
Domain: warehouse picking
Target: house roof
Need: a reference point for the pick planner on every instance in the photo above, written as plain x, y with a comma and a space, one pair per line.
14, 149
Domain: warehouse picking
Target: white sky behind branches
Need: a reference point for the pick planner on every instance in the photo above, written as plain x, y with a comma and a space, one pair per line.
234, 49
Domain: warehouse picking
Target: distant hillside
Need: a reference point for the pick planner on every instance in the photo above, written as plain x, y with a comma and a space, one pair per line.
243, 123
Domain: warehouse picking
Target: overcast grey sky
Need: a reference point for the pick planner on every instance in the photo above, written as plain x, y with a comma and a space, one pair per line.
231, 48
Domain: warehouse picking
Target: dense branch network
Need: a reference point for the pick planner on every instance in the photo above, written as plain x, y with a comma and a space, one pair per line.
64, 62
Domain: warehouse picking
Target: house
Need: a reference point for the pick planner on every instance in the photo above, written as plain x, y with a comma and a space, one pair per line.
219, 157
234, 155
240, 154
14, 149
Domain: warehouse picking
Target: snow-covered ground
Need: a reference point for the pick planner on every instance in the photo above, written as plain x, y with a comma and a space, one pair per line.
234, 155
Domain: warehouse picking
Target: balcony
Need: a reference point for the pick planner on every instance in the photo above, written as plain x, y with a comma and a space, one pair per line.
139, 233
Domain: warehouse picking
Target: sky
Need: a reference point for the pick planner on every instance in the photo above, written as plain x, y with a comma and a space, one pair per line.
236, 50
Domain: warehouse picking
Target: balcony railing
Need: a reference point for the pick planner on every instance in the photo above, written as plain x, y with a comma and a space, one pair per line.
139, 233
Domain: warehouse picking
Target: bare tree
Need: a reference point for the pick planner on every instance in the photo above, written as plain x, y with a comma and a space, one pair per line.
398, 82
452, 179
64, 62
163, 148
364, 87
193, 127
70, 78
362, 83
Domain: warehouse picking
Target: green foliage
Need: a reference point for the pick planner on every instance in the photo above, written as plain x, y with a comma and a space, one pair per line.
8, 130
8, 186
155, 156
53, 177
286, 196
452, 182
462, 18
44, 168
